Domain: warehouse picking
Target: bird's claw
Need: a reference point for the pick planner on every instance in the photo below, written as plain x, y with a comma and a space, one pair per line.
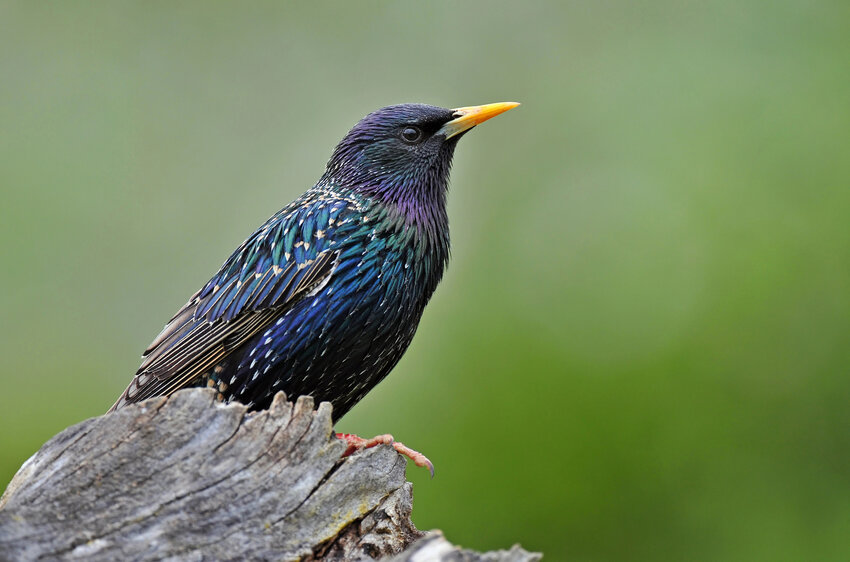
356, 443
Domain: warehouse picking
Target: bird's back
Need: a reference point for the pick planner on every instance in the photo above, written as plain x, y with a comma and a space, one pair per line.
323, 299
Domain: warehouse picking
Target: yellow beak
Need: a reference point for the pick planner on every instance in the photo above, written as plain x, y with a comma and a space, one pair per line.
468, 117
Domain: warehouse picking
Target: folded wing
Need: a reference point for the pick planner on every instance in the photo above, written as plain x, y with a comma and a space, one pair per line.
283, 262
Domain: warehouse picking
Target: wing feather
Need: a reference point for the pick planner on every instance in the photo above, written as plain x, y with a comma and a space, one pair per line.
251, 290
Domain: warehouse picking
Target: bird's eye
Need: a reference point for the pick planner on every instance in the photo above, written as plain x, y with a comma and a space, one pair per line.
411, 134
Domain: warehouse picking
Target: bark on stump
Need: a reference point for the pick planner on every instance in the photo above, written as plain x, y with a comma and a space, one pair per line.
187, 478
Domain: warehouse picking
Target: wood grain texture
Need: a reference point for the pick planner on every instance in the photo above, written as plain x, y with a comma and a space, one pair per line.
187, 478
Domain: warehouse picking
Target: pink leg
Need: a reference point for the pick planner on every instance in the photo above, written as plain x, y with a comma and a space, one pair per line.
355, 443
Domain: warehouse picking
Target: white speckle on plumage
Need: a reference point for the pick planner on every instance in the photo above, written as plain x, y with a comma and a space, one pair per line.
268, 340
253, 361
233, 379
255, 375
269, 352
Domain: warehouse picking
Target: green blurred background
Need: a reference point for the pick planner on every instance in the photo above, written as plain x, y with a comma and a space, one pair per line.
641, 348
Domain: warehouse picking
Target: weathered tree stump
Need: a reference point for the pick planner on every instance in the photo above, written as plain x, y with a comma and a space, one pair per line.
186, 478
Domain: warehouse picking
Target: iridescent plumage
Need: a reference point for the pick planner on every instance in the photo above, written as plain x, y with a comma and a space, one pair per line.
325, 297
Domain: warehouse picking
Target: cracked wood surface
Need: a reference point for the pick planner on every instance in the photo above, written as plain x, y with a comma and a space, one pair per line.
186, 478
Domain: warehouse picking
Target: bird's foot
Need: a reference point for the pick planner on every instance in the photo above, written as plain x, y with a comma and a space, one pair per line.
355, 443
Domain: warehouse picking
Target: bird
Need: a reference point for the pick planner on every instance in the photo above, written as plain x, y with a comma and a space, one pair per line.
325, 297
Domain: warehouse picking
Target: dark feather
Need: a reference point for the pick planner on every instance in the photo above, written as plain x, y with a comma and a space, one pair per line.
233, 307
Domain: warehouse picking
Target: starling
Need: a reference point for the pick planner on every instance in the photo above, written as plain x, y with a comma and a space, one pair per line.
324, 298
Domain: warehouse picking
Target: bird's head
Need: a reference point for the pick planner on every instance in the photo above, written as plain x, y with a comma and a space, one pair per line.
402, 154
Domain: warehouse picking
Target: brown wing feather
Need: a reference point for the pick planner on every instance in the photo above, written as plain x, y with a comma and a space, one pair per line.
189, 347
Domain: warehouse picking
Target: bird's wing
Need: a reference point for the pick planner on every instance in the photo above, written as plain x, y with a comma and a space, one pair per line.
281, 263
